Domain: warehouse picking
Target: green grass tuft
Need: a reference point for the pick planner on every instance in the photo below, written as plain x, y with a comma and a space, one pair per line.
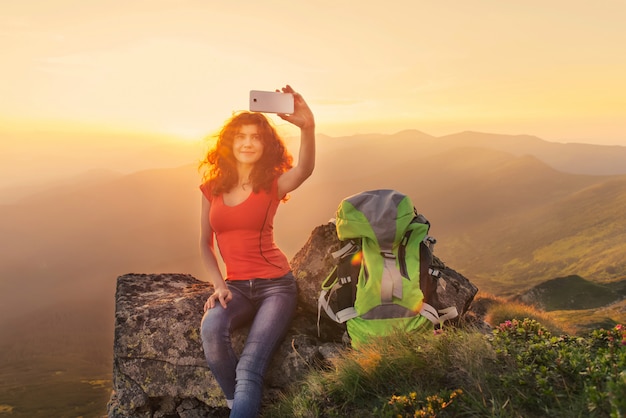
520, 370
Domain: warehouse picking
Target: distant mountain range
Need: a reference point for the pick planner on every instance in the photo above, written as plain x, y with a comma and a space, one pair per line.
509, 213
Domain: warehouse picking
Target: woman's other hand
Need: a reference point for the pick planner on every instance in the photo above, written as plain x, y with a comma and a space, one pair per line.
223, 295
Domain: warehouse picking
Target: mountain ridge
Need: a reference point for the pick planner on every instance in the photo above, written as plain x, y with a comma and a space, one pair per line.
505, 181
574, 158
135, 156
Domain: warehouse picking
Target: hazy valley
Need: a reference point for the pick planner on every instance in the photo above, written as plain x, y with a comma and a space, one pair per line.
509, 213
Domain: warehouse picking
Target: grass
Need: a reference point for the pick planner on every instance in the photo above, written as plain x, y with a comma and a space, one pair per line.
35, 383
53, 388
574, 322
581, 321
56, 362
521, 369
502, 312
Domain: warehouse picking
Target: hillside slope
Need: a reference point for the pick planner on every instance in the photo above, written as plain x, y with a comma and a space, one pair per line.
506, 222
571, 293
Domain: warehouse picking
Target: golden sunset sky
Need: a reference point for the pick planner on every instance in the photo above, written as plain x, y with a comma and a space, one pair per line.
555, 69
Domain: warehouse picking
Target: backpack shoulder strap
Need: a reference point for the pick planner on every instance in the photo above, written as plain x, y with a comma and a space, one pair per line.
428, 242
340, 282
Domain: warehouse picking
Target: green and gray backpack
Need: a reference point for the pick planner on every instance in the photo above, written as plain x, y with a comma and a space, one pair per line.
383, 278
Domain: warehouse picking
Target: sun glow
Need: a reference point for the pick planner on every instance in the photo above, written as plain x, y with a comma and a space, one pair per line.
178, 70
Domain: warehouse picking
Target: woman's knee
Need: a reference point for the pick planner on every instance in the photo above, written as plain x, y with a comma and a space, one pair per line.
212, 326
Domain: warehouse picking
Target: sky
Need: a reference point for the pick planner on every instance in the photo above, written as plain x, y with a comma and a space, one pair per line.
555, 69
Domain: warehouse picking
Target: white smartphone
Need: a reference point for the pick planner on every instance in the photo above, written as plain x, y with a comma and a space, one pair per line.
271, 102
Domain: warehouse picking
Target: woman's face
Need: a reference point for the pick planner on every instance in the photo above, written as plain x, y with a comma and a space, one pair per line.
248, 145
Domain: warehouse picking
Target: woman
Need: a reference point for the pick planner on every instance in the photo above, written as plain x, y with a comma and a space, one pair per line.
250, 173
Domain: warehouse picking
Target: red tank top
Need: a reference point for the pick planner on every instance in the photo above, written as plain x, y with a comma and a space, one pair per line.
245, 235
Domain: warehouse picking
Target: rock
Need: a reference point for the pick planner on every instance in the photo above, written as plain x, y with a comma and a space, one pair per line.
453, 289
158, 361
313, 263
159, 368
311, 266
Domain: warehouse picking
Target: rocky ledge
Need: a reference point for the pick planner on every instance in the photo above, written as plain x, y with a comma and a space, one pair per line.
158, 363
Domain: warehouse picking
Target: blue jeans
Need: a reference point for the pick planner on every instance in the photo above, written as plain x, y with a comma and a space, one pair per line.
270, 305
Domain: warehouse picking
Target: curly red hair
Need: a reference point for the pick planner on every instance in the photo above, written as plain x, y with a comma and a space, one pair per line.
219, 165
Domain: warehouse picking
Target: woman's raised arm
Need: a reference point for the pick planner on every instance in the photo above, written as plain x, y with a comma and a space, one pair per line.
302, 117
